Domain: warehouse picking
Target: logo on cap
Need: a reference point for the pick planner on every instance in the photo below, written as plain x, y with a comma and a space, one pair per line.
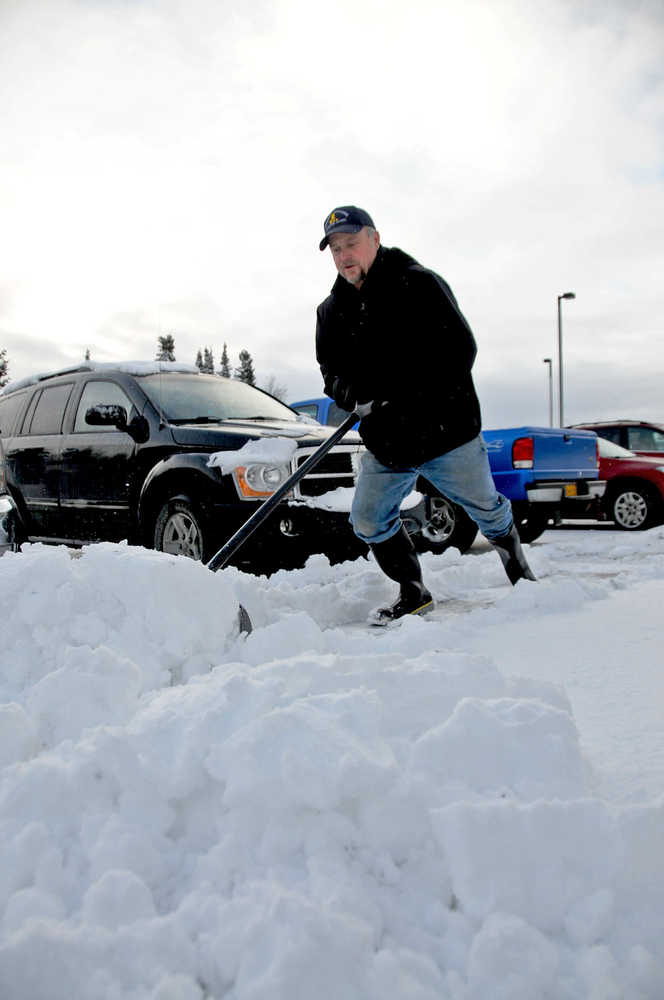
337, 216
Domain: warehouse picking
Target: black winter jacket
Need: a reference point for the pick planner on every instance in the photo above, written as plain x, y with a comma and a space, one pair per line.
402, 340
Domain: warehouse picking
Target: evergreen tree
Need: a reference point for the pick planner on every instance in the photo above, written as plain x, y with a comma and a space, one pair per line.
208, 361
4, 368
225, 368
199, 360
166, 350
245, 372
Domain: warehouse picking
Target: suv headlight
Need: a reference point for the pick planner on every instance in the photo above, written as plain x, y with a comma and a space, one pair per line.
259, 480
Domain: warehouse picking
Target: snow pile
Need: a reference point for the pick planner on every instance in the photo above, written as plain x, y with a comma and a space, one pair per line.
270, 451
317, 809
85, 638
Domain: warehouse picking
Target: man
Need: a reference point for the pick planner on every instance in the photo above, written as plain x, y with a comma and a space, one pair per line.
391, 332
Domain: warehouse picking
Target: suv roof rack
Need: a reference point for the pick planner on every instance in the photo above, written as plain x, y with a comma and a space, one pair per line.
130, 367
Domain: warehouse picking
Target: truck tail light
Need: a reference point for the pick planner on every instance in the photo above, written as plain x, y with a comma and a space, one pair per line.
523, 453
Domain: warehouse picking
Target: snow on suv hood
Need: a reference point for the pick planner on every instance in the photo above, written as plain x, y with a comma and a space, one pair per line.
307, 435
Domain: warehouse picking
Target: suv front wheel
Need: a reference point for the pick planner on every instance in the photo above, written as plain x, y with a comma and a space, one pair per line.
180, 530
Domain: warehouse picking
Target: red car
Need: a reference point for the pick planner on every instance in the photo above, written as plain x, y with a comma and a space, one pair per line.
634, 497
640, 436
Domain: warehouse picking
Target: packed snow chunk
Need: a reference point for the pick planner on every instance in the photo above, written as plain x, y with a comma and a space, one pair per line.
265, 451
589, 919
510, 960
86, 637
97, 686
598, 971
645, 971
642, 865
295, 947
51, 961
18, 735
24, 848
315, 753
533, 860
401, 972
291, 635
31, 904
505, 746
118, 897
178, 987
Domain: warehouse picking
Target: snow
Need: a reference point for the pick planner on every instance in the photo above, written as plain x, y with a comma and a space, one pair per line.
341, 500
467, 806
269, 451
129, 367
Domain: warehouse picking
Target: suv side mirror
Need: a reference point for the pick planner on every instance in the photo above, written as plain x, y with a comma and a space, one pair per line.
111, 415
107, 415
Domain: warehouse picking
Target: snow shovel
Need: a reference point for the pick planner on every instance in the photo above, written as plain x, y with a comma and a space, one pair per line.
219, 560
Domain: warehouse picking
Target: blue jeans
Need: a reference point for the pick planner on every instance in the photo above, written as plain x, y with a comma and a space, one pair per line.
462, 475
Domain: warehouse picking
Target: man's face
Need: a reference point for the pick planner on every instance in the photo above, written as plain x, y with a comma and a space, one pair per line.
354, 253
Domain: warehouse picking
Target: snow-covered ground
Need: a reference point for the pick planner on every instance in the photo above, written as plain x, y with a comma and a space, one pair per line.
466, 807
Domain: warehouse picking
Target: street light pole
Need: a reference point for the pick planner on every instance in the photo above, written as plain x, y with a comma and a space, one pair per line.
565, 295
547, 361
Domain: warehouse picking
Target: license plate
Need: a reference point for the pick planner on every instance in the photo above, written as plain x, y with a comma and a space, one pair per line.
570, 489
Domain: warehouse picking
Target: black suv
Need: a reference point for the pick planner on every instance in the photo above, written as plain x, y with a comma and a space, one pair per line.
110, 452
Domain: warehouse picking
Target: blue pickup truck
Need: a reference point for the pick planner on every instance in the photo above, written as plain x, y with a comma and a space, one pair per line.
535, 467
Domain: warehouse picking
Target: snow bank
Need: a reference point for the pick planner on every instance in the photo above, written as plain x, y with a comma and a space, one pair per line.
316, 809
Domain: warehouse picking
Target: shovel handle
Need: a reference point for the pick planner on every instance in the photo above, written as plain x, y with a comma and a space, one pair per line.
220, 559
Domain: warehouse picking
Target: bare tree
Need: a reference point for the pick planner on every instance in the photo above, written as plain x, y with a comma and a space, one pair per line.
275, 388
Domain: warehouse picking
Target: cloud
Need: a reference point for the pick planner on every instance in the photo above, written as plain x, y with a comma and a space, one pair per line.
168, 167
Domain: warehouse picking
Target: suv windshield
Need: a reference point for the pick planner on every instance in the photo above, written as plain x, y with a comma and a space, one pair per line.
183, 397
609, 449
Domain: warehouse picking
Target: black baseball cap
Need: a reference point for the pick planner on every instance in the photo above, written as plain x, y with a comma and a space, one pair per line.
345, 219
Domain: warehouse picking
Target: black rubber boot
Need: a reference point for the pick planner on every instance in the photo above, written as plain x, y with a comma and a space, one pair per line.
509, 549
398, 559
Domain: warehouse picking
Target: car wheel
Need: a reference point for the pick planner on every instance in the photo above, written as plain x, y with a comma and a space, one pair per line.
631, 508
530, 525
179, 530
445, 525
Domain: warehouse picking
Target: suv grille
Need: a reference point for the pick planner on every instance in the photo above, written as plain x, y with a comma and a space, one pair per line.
337, 468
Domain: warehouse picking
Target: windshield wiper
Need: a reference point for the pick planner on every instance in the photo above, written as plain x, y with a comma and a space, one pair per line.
195, 420
256, 417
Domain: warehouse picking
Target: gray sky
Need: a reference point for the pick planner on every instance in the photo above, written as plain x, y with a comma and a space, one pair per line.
165, 167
